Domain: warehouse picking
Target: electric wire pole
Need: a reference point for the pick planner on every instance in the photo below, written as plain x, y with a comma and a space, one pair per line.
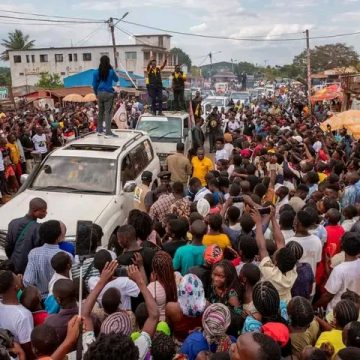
112, 26
308, 58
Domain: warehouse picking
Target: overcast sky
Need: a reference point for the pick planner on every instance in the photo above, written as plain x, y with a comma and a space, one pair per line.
234, 18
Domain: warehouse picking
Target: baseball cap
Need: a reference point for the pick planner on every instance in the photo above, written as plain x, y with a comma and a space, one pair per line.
146, 175
213, 254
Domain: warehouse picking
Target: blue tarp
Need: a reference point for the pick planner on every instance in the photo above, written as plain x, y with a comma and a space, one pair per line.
85, 78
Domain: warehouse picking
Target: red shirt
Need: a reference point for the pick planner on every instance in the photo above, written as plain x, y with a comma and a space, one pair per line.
334, 235
39, 317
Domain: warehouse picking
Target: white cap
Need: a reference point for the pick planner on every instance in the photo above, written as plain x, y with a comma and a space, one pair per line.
203, 207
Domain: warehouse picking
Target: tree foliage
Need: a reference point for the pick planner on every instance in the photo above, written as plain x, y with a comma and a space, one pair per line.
49, 81
183, 57
5, 77
327, 57
17, 40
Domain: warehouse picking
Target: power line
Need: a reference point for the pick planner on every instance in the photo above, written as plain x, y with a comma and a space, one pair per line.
52, 21
236, 38
86, 38
33, 23
43, 15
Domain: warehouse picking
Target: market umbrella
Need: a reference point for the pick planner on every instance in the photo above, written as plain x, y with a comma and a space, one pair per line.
341, 120
90, 97
328, 93
73, 98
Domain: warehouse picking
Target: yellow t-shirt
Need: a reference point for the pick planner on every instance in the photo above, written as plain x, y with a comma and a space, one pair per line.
334, 337
14, 153
221, 240
322, 177
201, 168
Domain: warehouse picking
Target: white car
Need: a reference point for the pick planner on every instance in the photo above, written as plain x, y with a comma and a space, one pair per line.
242, 96
91, 178
166, 131
219, 101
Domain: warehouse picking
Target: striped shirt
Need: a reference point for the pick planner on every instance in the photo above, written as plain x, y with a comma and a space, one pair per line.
39, 271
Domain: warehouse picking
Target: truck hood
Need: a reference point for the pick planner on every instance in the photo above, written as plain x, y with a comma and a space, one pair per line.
69, 208
164, 147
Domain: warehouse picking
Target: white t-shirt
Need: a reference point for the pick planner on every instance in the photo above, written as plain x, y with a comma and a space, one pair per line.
2, 167
54, 279
40, 143
312, 251
221, 154
18, 320
344, 276
229, 149
126, 287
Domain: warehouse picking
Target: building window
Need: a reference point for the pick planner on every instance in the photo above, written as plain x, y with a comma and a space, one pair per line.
70, 57
146, 55
130, 55
59, 58
28, 58
86, 56
17, 59
21, 74
62, 73
161, 41
75, 57
32, 58
44, 58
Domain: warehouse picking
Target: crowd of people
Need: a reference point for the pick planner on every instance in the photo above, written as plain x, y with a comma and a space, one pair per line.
250, 253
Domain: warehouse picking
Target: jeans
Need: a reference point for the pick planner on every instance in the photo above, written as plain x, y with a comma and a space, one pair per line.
156, 98
105, 102
179, 102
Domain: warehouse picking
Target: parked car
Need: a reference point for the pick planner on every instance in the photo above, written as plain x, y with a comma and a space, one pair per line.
91, 178
166, 131
242, 96
219, 101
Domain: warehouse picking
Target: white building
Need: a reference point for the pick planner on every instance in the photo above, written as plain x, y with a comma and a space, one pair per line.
27, 65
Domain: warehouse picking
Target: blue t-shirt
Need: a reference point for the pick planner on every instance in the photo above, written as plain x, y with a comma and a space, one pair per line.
104, 86
188, 256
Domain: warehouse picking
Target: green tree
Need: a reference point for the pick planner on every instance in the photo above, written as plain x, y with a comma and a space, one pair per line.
49, 81
183, 57
327, 57
245, 67
16, 41
5, 77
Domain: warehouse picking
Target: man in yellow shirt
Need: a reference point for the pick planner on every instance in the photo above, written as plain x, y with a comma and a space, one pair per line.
215, 237
14, 155
201, 166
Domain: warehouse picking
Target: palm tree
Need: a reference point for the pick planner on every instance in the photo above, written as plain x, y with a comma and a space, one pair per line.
16, 41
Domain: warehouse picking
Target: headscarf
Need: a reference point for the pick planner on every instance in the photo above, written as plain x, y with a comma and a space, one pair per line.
216, 320
277, 331
118, 323
213, 254
191, 295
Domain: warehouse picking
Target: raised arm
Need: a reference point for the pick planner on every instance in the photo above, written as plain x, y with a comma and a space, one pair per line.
260, 239
151, 307
105, 277
165, 62
278, 236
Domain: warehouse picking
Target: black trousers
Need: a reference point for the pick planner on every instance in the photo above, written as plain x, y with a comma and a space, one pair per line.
156, 99
179, 101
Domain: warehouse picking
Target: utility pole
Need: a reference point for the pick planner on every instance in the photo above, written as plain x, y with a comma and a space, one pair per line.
308, 67
210, 56
112, 26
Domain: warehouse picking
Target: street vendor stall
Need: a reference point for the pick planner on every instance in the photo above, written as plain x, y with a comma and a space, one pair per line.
330, 92
342, 120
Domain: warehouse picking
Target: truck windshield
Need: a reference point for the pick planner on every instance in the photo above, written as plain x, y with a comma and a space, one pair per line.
216, 102
76, 175
161, 127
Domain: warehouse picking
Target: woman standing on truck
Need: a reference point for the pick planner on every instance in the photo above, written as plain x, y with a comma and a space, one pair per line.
103, 88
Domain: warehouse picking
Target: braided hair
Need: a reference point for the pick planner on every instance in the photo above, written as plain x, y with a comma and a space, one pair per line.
163, 268
231, 278
267, 302
353, 334
296, 249
345, 311
300, 312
